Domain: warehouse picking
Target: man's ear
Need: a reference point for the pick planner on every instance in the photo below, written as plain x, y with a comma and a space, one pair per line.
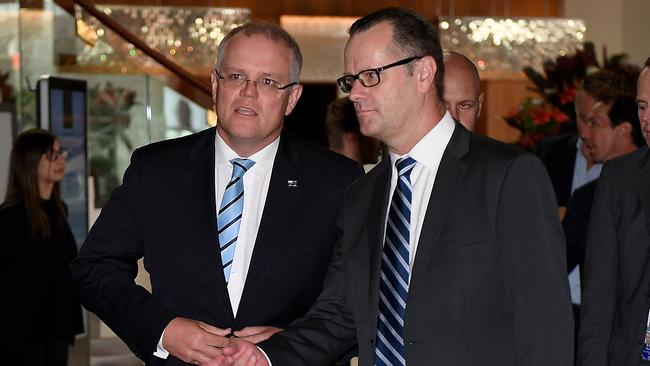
425, 69
294, 95
214, 86
480, 105
624, 129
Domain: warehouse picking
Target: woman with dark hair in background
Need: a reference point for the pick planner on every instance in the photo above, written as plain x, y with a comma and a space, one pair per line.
40, 308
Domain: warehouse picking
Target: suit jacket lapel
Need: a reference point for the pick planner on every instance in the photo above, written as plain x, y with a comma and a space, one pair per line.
448, 178
642, 184
276, 219
201, 204
377, 211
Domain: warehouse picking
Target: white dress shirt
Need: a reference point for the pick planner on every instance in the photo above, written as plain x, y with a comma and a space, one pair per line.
428, 154
581, 176
256, 187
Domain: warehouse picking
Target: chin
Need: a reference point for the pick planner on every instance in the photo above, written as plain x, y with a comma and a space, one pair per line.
366, 128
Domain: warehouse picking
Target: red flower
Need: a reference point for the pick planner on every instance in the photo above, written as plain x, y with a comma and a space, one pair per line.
559, 116
567, 95
541, 116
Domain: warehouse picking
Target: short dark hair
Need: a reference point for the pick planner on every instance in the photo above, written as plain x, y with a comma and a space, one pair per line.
341, 119
624, 109
412, 34
647, 62
604, 86
272, 32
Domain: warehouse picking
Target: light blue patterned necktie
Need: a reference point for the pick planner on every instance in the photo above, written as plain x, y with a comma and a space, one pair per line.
230, 212
394, 276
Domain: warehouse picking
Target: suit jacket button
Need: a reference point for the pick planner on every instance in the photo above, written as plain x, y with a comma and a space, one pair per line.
411, 342
372, 342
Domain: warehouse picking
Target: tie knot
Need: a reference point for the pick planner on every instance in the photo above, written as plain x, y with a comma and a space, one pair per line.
405, 166
240, 166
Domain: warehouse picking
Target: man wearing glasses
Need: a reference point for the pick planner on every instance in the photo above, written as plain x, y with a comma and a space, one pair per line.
236, 224
450, 250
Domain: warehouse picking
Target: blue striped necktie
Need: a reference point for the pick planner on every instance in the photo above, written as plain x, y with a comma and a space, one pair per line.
394, 277
230, 212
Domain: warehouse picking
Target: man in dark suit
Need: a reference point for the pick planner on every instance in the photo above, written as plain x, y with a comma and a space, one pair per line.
236, 223
450, 251
615, 310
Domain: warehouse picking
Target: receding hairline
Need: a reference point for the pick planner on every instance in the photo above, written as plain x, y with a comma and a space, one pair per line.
392, 47
240, 35
271, 32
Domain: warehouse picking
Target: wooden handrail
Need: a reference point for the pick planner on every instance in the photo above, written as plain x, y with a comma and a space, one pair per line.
123, 32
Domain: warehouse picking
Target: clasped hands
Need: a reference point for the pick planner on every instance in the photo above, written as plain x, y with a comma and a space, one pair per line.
199, 343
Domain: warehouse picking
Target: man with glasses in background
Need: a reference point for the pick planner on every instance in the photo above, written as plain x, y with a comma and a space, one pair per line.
450, 251
236, 224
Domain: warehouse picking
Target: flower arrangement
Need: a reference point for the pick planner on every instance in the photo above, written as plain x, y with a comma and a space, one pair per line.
536, 119
552, 112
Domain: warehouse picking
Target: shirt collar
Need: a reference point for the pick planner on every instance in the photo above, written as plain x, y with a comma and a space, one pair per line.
428, 151
262, 158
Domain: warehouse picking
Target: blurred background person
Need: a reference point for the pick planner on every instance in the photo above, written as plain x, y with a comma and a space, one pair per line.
612, 130
566, 158
570, 165
462, 89
42, 313
615, 312
344, 136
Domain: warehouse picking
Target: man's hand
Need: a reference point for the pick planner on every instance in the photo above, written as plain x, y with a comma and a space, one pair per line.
256, 334
240, 353
193, 341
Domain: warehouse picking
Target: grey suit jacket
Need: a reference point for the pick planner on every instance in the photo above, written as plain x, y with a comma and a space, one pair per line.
615, 299
488, 285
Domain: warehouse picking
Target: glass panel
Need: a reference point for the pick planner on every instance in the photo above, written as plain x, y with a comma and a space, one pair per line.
119, 92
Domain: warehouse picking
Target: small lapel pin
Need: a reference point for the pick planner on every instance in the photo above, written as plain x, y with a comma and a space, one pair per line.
292, 183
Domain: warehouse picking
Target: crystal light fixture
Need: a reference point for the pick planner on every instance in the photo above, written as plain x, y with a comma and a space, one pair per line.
187, 35
509, 44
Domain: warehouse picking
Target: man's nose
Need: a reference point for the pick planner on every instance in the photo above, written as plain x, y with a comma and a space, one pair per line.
249, 88
358, 91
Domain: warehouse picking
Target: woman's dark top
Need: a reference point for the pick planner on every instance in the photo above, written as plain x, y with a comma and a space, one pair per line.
39, 302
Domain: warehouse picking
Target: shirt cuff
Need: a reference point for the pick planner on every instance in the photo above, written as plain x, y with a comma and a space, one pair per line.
265, 356
161, 352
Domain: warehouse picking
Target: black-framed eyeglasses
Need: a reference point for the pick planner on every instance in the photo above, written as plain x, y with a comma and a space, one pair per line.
264, 84
53, 155
369, 77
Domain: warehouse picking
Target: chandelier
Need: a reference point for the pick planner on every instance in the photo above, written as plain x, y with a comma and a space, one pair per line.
509, 44
188, 36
